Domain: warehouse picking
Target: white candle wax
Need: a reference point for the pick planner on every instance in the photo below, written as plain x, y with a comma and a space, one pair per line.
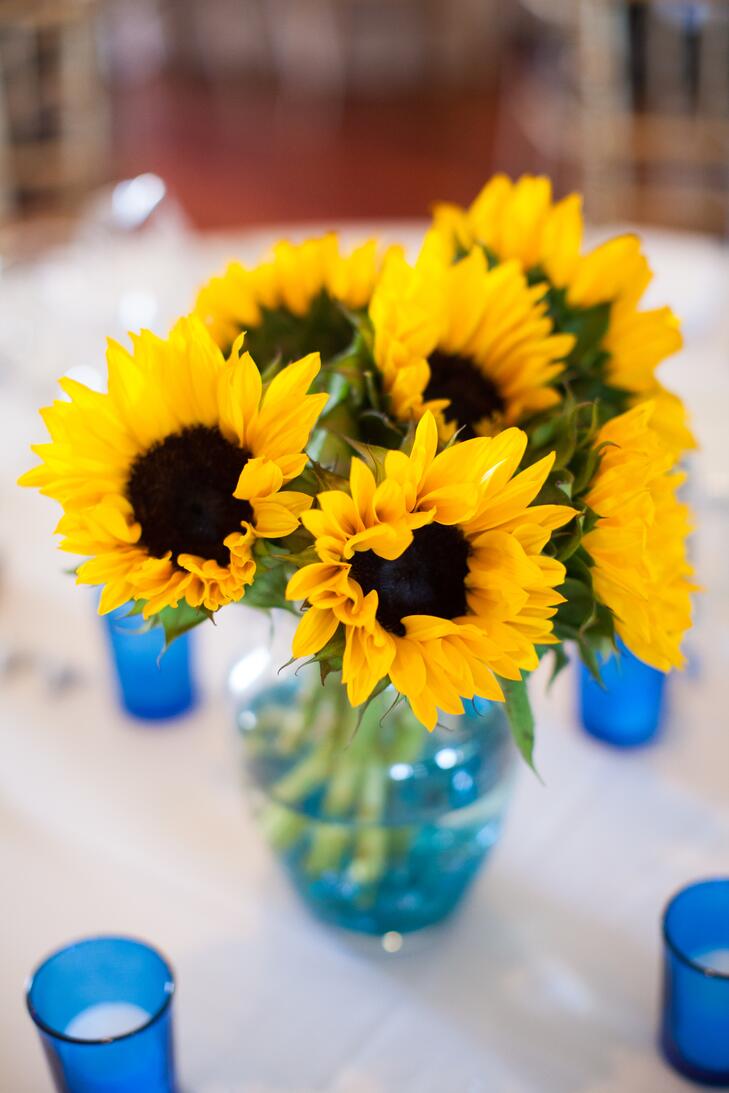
716, 960
107, 1019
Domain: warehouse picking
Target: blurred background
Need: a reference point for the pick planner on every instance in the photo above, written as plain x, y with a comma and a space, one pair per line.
260, 111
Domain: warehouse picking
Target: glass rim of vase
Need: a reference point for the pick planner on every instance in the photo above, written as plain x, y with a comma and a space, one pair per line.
168, 992
672, 944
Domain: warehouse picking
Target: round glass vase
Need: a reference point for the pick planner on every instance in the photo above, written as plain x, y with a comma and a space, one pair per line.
381, 826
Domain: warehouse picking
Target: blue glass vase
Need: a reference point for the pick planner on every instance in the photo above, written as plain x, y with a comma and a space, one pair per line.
628, 708
153, 682
695, 1014
381, 826
103, 1009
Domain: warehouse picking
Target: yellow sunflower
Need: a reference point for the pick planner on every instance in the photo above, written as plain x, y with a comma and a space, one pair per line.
167, 481
520, 221
474, 346
638, 547
291, 304
435, 574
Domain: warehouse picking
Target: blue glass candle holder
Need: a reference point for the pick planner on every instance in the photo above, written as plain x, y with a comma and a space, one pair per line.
154, 683
103, 1008
628, 708
695, 1018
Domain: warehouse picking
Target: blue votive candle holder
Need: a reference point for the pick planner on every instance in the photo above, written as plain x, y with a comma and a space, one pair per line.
695, 1019
627, 709
103, 1008
154, 682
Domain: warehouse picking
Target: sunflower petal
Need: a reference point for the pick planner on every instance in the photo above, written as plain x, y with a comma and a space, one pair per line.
315, 629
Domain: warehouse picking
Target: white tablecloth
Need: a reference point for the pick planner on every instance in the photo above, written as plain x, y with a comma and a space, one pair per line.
546, 982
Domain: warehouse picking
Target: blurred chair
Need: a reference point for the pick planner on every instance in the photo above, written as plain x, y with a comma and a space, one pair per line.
642, 110
377, 45
653, 99
54, 115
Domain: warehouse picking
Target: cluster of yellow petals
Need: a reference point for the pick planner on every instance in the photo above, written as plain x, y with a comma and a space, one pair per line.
291, 278
492, 318
520, 221
158, 390
510, 585
638, 547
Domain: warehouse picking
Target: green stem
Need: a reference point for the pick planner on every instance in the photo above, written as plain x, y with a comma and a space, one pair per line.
343, 785
351, 763
329, 844
370, 859
307, 776
280, 826
373, 795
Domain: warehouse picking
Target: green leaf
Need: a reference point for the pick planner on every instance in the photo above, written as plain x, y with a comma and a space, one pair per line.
269, 587
179, 620
581, 566
372, 387
334, 648
326, 667
366, 335
282, 336
561, 660
521, 718
557, 490
580, 602
271, 370
379, 429
588, 656
567, 543
306, 555
590, 327
584, 468
340, 419
317, 477
367, 705
288, 548
332, 382
588, 324
542, 435
329, 658
373, 455
330, 449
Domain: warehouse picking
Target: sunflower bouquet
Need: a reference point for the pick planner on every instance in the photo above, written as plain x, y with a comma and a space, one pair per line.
446, 467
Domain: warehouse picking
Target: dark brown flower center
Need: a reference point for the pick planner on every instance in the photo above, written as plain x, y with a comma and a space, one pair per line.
473, 396
427, 579
181, 491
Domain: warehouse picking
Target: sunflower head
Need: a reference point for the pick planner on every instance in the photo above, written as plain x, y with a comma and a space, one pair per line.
596, 295
637, 547
470, 344
519, 220
168, 480
293, 303
432, 572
